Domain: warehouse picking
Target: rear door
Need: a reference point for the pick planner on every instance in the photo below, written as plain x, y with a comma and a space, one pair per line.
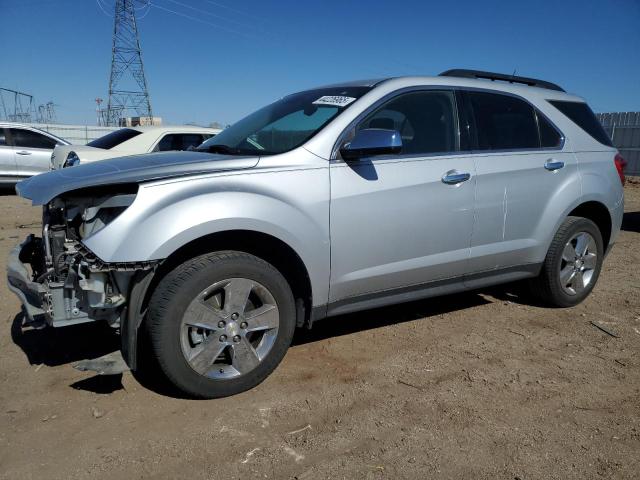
8, 168
32, 151
521, 166
395, 223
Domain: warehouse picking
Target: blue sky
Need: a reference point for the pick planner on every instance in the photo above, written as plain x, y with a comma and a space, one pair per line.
233, 56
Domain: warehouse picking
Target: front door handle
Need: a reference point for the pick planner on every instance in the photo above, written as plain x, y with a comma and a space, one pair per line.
453, 177
553, 165
23, 152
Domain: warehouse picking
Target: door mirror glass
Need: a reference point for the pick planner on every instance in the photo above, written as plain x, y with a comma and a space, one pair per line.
370, 142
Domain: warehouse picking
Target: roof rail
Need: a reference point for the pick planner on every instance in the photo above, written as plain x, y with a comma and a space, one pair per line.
532, 82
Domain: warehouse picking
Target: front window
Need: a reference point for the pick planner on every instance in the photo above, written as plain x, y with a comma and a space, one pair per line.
29, 139
285, 124
425, 119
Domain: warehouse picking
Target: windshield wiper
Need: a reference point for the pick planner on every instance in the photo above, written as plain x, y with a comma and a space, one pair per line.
219, 149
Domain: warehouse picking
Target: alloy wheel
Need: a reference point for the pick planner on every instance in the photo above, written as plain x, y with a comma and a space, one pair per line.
579, 260
229, 328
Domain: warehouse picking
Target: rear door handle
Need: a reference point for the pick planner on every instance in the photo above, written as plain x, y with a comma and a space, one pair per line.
453, 177
552, 165
23, 152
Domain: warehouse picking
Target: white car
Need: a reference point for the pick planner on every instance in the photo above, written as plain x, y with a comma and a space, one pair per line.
131, 141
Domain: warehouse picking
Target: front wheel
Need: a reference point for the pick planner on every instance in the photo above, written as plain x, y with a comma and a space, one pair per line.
572, 265
221, 323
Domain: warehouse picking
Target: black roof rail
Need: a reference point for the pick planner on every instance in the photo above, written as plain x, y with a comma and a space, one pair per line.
532, 82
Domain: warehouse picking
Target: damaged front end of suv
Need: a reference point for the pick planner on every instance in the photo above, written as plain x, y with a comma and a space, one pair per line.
59, 280
67, 284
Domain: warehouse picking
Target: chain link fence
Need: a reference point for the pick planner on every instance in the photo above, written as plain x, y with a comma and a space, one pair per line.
76, 134
624, 130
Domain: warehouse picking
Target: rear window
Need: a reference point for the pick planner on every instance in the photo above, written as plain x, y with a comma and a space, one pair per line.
583, 116
113, 139
503, 122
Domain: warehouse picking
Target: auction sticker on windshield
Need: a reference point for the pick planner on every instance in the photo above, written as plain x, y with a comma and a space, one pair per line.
334, 100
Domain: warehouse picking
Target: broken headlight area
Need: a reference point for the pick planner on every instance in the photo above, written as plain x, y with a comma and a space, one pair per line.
76, 286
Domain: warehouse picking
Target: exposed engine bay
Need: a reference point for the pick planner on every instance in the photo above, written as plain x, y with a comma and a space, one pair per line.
75, 285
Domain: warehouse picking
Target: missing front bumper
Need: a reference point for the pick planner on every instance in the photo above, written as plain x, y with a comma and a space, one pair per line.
31, 294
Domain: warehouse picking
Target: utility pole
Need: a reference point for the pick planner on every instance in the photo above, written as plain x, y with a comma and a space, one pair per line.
128, 92
99, 113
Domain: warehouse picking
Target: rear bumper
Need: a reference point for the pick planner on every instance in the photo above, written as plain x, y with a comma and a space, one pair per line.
31, 294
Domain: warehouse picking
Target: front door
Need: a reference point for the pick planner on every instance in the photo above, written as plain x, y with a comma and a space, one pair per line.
395, 222
32, 150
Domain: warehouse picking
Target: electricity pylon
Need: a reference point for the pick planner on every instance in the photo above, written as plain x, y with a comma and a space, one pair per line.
128, 92
22, 106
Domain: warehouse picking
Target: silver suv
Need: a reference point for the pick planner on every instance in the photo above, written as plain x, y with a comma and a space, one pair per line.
328, 201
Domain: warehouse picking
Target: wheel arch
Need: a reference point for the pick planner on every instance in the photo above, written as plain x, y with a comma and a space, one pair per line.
265, 246
599, 214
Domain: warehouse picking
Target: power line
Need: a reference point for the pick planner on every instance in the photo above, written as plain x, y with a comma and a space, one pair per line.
212, 14
99, 3
231, 9
202, 21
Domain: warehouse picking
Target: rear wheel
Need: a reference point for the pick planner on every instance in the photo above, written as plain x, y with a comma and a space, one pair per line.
572, 265
220, 323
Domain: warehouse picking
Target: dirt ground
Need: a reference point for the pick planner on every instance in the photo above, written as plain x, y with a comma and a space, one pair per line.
477, 385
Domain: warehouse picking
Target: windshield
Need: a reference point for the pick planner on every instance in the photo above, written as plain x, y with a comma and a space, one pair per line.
285, 124
114, 138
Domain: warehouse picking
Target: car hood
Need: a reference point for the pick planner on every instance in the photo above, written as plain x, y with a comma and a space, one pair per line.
42, 188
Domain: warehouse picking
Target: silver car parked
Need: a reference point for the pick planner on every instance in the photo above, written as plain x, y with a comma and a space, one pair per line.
328, 201
24, 151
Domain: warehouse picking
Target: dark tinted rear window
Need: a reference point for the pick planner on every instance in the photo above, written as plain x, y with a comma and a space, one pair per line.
114, 138
503, 122
583, 116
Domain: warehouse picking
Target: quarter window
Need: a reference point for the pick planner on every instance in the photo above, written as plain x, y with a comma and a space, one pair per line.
426, 121
29, 139
502, 122
583, 116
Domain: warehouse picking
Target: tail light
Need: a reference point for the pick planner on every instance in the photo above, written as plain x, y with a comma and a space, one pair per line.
620, 164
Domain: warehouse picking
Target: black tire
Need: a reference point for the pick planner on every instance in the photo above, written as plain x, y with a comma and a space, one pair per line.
177, 290
547, 287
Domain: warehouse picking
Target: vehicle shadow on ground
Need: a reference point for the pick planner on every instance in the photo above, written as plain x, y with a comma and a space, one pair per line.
631, 222
59, 346
383, 317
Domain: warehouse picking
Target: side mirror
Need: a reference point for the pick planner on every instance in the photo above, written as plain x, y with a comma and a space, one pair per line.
372, 141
